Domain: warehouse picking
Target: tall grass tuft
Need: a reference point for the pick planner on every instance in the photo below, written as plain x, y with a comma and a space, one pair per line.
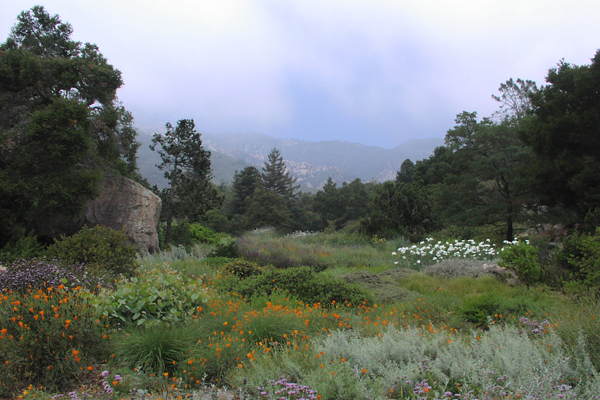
154, 350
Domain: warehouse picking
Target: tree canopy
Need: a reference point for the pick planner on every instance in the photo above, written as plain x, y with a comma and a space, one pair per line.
564, 132
493, 185
187, 168
61, 125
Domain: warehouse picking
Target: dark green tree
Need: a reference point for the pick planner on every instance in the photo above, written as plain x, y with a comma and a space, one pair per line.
407, 171
354, 199
493, 185
61, 126
400, 209
187, 168
266, 208
327, 204
338, 206
244, 185
276, 178
564, 133
436, 168
515, 100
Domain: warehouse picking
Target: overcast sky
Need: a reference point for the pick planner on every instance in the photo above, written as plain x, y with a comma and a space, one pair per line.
377, 72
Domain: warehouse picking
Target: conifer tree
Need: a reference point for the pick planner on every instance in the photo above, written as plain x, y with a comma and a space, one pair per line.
187, 167
275, 177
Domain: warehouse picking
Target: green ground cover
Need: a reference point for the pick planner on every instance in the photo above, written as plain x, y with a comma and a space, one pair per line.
189, 326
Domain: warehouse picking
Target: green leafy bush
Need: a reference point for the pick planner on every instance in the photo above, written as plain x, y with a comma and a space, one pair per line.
24, 248
101, 248
203, 234
304, 284
227, 247
242, 268
581, 258
188, 234
164, 296
477, 309
522, 258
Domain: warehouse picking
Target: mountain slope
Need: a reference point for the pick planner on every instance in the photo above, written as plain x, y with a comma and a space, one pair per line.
311, 162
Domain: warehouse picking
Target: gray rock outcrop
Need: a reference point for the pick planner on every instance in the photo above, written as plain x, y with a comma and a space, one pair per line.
125, 204
503, 273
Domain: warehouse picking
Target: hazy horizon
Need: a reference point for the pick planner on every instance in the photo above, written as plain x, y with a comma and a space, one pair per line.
377, 72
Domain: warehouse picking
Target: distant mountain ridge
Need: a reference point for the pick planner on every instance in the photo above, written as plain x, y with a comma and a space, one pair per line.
311, 162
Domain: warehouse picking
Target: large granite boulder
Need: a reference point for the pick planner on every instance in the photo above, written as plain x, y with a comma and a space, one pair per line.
122, 204
125, 204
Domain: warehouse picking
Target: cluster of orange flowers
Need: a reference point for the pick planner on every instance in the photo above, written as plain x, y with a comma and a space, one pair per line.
36, 321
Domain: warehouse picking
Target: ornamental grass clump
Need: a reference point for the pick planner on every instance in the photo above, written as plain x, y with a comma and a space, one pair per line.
154, 350
427, 252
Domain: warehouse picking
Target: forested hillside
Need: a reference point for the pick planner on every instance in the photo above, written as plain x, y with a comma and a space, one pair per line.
311, 162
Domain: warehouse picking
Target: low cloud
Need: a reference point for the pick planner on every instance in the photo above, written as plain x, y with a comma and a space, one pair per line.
377, 72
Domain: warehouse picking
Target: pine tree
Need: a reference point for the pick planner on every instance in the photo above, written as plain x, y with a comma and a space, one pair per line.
187, 167
275, 177
244, 185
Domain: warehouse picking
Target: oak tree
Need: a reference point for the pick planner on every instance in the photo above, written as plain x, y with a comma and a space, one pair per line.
61, 126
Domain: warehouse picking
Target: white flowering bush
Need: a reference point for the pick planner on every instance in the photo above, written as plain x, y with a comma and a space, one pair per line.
296, 234
429, 252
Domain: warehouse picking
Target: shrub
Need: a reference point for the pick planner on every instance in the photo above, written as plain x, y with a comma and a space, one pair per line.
455, 267
102, 248
242, 268
24, 248
581, 257
427, 252
304, 284
277, 259
33, 274
188, 234
281, 254
165, 296
227, 247
202, 234
522, 258
477, 309
47, 336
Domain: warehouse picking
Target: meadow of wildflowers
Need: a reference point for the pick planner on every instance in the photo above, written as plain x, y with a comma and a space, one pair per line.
201, 339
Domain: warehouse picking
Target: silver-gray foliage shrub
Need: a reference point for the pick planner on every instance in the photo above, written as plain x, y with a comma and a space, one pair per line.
456, 267
499, 362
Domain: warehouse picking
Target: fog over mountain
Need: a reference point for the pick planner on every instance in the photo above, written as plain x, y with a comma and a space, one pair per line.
311, 162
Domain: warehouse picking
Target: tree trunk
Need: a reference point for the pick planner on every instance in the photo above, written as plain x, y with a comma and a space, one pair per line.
168, 231
509, 228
